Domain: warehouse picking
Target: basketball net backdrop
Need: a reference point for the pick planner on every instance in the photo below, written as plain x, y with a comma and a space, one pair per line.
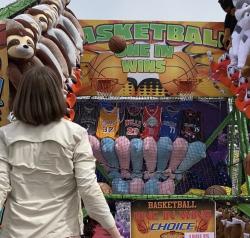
161, 59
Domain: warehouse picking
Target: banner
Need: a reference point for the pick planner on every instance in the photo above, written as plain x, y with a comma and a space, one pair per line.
173, 219
161, 59
4, 86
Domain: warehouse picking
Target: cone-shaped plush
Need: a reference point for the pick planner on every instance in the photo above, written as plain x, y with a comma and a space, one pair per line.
164, 150
96, 147
108, 152
150, 156
122, 148
180, 146
196, 152
136, 155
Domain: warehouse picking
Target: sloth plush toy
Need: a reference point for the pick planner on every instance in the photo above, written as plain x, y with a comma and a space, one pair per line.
21, 54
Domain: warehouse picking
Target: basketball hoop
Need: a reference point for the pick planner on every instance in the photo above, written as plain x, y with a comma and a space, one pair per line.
186, 86
105, 86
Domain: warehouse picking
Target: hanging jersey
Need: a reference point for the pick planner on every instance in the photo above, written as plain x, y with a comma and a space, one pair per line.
151, 122
87, 117
191, 126
170, 123
108, 123
131, 125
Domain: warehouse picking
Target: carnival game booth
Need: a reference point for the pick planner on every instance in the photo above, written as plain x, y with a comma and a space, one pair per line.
168, 137
162, 112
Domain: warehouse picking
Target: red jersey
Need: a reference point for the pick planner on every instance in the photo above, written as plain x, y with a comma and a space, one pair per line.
151, 122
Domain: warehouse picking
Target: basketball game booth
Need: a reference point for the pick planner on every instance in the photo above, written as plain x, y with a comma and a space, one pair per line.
166, 125
169, 139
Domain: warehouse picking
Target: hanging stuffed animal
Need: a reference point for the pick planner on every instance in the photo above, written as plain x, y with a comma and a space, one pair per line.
122, 148
66, 25
30, 22
150, 156
96, 147
241, 7
164, 150
136, 156
21, 47
180, 147
42, 51
68, 13
47, 18
196, 152
244, 45
109, 154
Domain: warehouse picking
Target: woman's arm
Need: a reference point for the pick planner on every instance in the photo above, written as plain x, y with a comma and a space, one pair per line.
90, 191
5, 187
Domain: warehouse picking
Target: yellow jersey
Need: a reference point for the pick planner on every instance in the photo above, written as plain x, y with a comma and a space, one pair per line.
108, 123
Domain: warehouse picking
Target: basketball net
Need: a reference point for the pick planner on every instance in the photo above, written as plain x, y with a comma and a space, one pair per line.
186, 88
104, 87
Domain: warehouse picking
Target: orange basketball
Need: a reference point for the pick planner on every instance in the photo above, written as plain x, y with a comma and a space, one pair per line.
117, 44
215, 190
142, 226
201, 226
107, 66
180, 74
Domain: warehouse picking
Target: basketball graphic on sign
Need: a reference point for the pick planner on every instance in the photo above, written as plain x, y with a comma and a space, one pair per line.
105, 73
180, 75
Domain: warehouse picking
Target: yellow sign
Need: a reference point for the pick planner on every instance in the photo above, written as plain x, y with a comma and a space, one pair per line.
4, 86
161, 59
173, 219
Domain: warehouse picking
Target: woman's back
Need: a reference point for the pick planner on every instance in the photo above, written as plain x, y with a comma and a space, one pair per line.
44, 191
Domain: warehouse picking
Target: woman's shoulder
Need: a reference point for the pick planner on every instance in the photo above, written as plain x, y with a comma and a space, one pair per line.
73, 126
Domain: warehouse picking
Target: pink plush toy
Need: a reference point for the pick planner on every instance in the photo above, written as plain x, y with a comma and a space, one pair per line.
180, 146
122, 148
95, 144
150, 156
136, 186
167, 187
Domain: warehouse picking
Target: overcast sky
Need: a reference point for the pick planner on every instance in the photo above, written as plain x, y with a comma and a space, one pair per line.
171, 10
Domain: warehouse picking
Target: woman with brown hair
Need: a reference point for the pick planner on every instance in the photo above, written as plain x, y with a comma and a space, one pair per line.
46, 162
